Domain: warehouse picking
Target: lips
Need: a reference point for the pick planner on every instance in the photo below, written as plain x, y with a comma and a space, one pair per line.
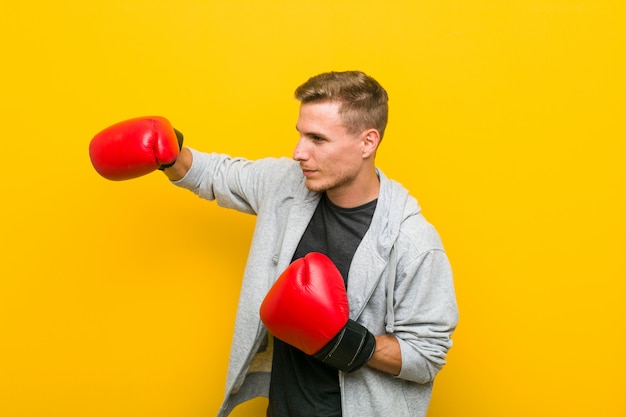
307, 172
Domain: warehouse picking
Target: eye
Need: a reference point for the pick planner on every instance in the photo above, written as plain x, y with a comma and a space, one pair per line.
317, 138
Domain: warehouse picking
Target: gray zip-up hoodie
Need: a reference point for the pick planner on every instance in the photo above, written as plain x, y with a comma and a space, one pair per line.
400, 282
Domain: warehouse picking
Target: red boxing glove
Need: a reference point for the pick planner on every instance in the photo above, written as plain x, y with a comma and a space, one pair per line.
135, 147
308, 308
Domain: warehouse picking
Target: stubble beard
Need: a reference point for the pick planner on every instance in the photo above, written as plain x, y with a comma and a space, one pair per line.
344, 179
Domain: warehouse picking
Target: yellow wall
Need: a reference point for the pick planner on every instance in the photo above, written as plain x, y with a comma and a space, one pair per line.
507, 123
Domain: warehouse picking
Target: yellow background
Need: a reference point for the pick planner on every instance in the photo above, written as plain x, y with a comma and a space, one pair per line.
507, 123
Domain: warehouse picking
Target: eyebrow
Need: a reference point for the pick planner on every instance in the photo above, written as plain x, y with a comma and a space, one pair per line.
311, 133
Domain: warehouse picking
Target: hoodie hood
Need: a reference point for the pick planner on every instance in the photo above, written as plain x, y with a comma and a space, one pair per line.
395, 205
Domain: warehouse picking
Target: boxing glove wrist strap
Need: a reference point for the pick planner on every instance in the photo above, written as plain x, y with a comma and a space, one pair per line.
163, 166
351, 349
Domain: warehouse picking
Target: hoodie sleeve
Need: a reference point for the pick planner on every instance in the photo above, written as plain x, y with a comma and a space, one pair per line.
425, 310
234, 183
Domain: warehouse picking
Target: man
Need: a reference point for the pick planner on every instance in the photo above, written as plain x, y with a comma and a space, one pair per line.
330, 199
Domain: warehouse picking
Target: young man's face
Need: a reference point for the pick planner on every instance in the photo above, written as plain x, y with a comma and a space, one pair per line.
331, 158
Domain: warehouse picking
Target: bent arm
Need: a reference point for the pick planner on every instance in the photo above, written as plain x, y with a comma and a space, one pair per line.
426, 316
413, 338
387, 357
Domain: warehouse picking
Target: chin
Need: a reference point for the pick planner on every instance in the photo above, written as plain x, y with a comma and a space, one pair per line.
315, 187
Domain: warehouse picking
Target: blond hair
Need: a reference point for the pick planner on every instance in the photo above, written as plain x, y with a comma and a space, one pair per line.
363, 101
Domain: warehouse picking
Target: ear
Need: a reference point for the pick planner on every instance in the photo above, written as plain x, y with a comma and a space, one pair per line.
371, 139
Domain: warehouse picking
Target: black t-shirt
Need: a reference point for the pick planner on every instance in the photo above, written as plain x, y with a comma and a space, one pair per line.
301, 385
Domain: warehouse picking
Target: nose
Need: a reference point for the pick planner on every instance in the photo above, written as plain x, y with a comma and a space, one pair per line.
300, 152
